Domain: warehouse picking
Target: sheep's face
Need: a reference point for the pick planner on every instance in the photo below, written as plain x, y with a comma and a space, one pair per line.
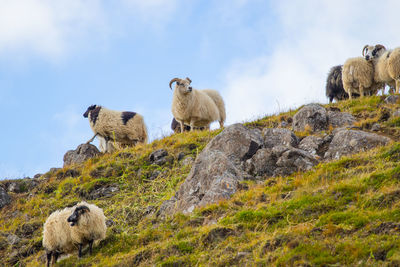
78, 212
89, 109
371, 52
183, 85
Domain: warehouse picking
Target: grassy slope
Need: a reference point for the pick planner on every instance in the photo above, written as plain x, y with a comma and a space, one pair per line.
344, 212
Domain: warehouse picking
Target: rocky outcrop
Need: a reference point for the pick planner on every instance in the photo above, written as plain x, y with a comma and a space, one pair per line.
279, 136
216, 173
346, 142
82, 153
314, 117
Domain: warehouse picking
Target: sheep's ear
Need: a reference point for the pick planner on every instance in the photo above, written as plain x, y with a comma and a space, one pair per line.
187, 78
379, 47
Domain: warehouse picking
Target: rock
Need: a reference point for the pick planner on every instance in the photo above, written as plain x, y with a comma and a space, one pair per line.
340, 119
82, 153
347, 142
279, 136
392, 99
312, 117
13, 239
216, 173
188, 160
181, 155
396, 113
294, 160
4, 198
154, 175
280, 161
376, 127
217, 234
311, 144
103, 192
20, 185
284, 124
159, 157
38, 175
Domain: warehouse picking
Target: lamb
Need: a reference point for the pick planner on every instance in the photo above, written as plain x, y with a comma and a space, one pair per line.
72, 228
125, 128
334, 85
197, 108
386, 63
358, 77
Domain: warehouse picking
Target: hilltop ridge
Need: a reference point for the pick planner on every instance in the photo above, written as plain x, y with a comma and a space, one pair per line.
340, 211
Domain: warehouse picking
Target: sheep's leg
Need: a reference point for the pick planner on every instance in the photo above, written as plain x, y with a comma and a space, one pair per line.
56, 254
49, 255
182, 126
90, 246
361, 91
80, 251
91, 140
221, 124
397, 86
350, 95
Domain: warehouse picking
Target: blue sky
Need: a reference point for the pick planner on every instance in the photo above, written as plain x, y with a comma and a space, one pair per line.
59, 57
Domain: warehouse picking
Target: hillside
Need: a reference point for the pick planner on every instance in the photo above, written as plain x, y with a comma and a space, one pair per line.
339, 213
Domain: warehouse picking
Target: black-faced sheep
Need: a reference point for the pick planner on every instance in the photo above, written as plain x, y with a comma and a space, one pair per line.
125, 128
197, 108
386, 63
70, 229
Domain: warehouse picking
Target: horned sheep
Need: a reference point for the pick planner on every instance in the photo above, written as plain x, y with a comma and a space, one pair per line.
386, 63
123, 128
70, 229
196, 108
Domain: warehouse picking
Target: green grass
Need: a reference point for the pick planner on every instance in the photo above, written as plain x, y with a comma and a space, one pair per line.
332, 215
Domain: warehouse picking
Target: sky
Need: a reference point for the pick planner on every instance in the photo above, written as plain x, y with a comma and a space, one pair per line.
264, 57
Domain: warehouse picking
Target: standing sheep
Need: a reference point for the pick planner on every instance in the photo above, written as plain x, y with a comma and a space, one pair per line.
197, 108
124, 128
70, 229
358, 77
334, 85
386, 63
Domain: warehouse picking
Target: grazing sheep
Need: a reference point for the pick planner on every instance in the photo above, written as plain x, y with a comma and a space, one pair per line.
334, 85
125, 128
176, 127
358, 77
386, 63
70, 229
197, 108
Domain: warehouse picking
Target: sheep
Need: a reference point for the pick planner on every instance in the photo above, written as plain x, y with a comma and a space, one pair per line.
125, 128
70, 229
334, 85
386, 63
197, 108
358, 77
176, 127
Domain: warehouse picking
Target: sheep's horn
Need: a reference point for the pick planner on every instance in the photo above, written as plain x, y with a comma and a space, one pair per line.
187, 78
380, 46
363, 51
172, 81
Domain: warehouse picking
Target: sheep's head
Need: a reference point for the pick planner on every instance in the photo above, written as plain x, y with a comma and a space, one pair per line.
89, 109
78, 212
183, 85
371, 52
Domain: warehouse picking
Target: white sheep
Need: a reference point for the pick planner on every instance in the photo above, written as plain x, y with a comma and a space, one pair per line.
72, 228
358, 77
196, 108
386, 63
124, 128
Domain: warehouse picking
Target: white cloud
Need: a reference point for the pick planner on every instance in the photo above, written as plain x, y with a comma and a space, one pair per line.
315, 35
51, 28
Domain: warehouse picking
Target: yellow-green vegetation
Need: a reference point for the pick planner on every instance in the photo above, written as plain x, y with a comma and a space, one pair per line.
340, 213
